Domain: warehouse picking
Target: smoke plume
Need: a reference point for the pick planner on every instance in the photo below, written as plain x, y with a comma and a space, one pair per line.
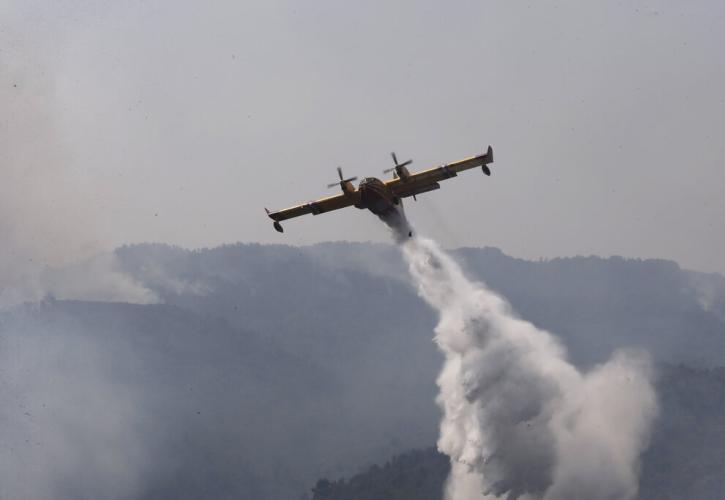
519, 421
47, 213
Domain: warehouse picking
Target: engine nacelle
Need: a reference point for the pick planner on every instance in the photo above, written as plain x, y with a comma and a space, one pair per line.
402, 172
347, 187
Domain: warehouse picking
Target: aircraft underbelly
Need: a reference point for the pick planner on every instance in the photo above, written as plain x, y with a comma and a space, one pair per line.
376, 201
381, 207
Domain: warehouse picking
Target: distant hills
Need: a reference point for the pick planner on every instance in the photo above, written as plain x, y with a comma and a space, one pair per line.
594, 304
269, 367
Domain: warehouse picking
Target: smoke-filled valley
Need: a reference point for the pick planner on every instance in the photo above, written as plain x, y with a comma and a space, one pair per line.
266, 368
361, 371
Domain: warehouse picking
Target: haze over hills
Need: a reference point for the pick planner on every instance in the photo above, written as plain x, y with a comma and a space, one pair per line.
594, 304
683, 461
267, 367
254, 371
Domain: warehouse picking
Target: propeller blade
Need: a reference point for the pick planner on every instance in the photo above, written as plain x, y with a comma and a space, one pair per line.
388, 170
395, 158
342, 181
405, 163
339, 172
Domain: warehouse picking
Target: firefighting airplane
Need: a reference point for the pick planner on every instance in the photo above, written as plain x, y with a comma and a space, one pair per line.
383, 198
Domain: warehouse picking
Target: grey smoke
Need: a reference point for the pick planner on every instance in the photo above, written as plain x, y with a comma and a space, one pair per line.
46, 217
519, 421
69, 427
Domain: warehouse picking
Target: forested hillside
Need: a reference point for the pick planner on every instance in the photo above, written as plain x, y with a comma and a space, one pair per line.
685, 459
267, 368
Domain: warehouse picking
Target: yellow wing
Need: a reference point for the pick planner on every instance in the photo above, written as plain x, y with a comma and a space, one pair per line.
315, 207
427, 180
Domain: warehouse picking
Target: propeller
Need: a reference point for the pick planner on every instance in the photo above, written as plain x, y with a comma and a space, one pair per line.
397, 165
342, 180
397, 168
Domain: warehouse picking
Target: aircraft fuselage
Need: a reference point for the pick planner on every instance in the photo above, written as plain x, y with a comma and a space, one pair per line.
377, 197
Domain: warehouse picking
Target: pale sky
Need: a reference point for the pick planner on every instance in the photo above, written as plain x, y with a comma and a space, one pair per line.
179, 121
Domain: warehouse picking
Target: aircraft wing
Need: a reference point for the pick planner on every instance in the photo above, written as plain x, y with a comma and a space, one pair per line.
314, 207
427, 180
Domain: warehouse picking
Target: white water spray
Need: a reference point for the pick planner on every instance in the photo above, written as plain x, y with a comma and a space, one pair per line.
519, 421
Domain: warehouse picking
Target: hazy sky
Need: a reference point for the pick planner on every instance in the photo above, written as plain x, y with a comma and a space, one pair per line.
179, 121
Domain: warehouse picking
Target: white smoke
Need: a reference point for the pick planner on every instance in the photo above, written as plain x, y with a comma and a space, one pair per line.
519, 421
48, 210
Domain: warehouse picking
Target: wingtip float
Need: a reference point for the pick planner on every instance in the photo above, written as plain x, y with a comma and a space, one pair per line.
383, 198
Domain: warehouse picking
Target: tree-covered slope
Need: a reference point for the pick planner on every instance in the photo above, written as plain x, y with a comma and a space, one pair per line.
268, 367
686, 458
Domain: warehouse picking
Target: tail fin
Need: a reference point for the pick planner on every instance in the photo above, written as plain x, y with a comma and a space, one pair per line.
487, 158
489, 155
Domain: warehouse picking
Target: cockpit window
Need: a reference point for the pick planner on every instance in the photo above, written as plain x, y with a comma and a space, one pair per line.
370, 180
